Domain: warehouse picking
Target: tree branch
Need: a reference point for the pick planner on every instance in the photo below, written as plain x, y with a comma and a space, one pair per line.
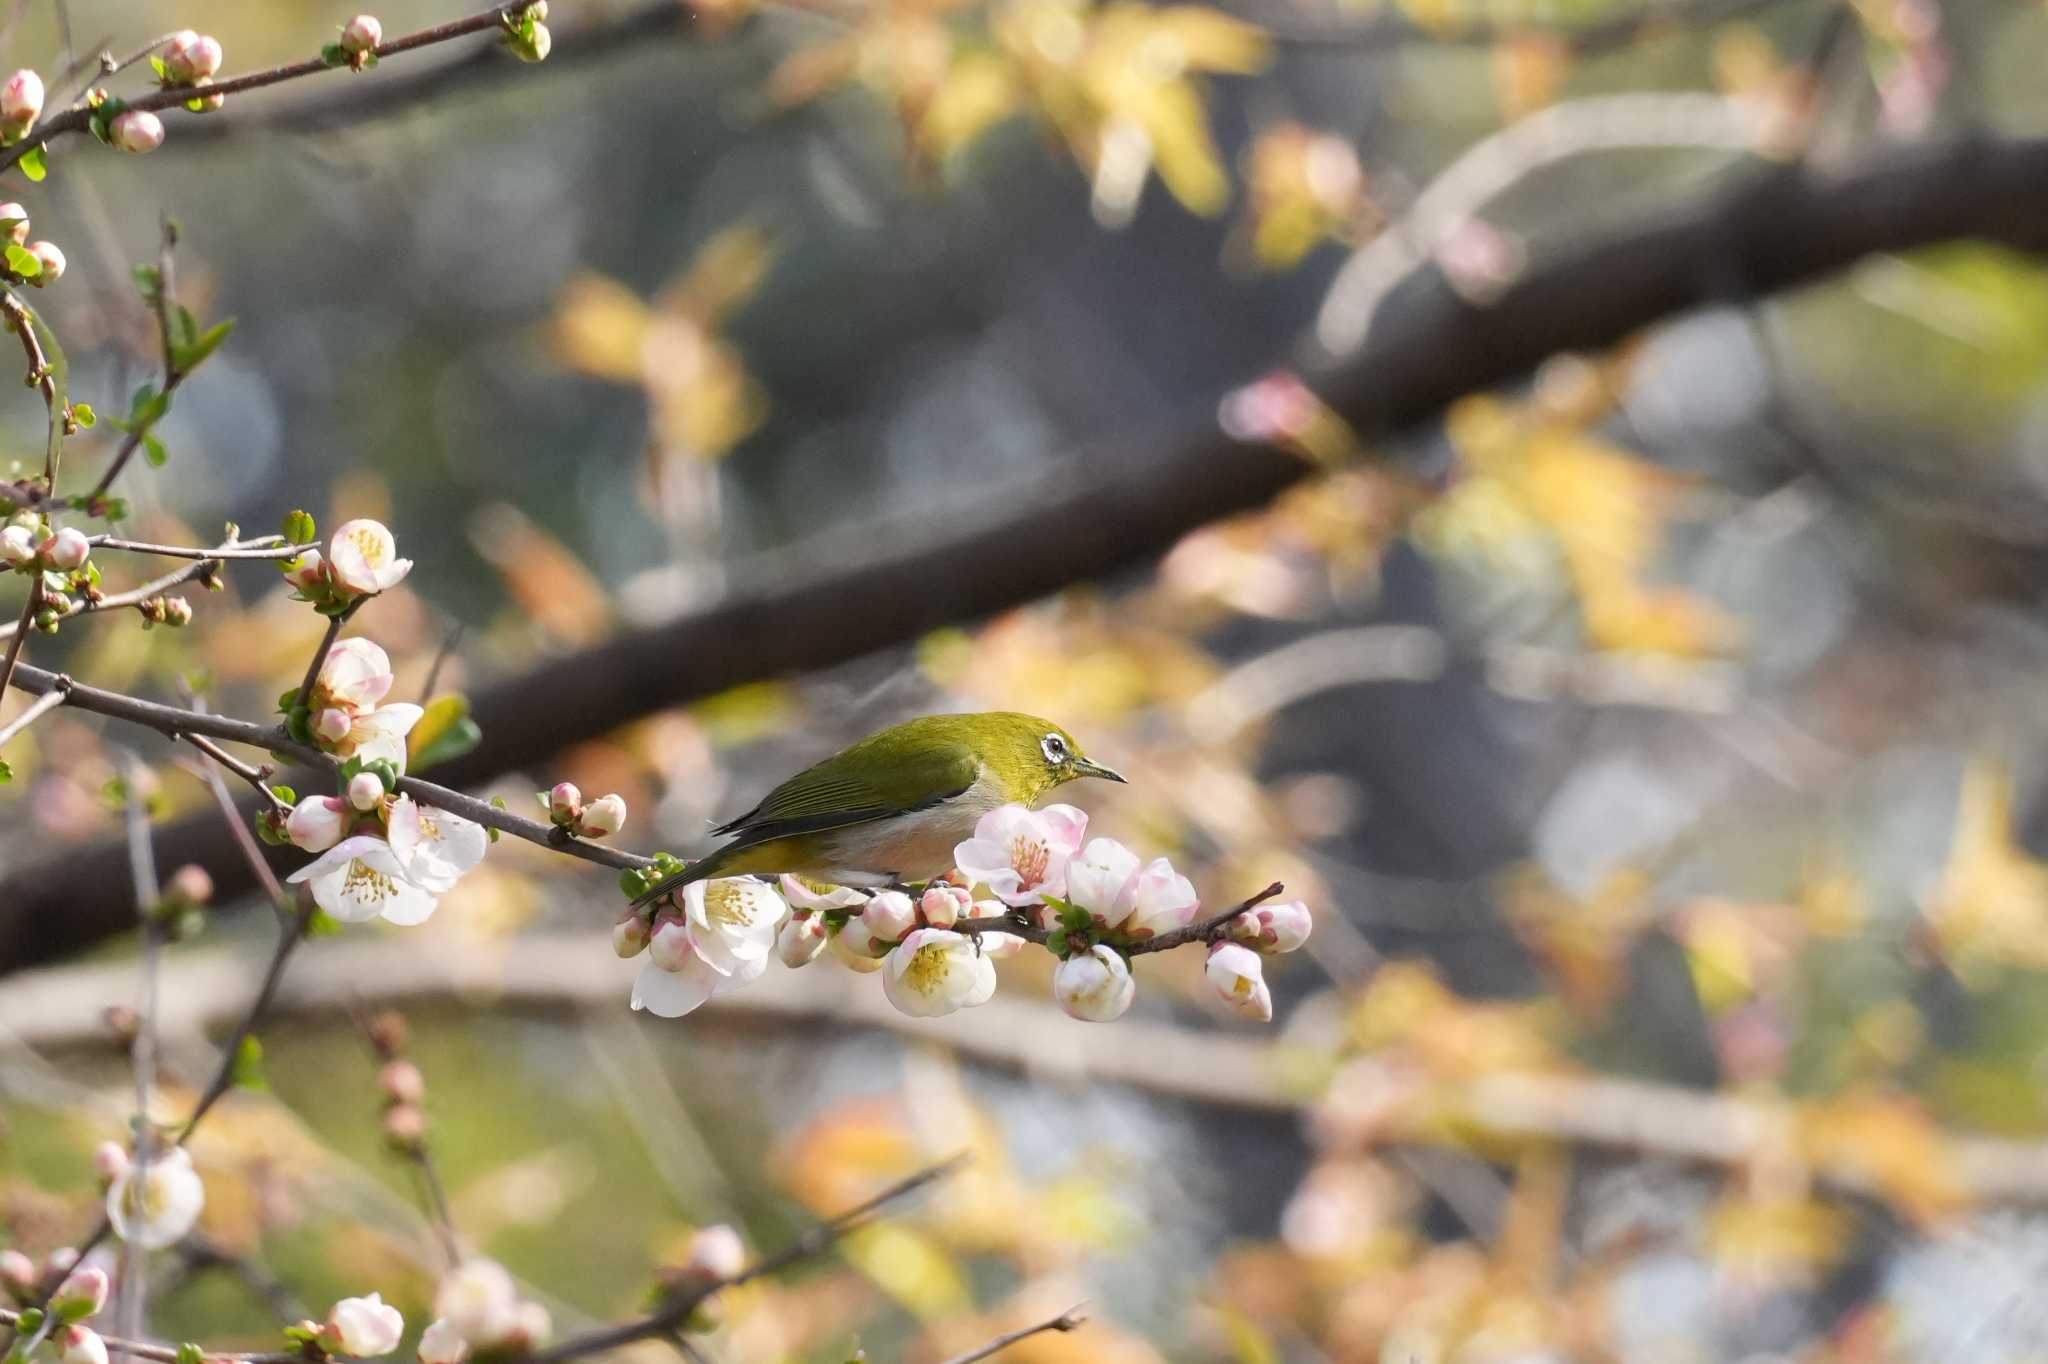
1107, 509
1070, 1320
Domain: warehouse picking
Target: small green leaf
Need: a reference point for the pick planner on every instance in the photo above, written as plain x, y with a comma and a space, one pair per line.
83, 414
248, 1071
147, 406
332, 55
30, 1322
322, 925
285, 794
188, 1353
153, 451
22, 261
201, 344
163, 72
148, 281
300, 528
35, 163
6, 772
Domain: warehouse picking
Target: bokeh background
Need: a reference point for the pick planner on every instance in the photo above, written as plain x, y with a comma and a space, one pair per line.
1657, 739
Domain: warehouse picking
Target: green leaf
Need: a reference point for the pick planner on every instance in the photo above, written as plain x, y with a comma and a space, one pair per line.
285, 794
22, 261
83, 414
444, 731
156, 64
248, 1071
148, 281
35, 163
188, 1353
322, 925
6, 772
186, 326
147, 406
188, 355
300, 528
153, 451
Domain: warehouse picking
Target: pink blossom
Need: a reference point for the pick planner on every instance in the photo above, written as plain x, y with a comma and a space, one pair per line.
137, 130
1022, 854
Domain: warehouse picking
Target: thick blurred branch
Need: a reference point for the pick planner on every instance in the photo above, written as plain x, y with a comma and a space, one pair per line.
1118, 506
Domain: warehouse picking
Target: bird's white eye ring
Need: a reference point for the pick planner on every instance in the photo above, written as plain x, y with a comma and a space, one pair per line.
1054, 748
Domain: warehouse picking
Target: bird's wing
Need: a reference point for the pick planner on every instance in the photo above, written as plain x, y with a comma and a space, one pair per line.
832, 795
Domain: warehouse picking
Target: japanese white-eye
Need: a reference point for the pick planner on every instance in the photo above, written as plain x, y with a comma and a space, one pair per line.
892, 807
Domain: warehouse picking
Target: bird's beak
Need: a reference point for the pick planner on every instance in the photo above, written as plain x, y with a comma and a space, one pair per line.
1088, 768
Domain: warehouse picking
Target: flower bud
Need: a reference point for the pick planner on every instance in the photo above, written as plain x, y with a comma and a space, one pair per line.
362, 33
1239, 980
82, 1293
531, 47
1095, 985
362, 1327
191, 883
716, 1254
564, 803
19, 232
80, 1345
332, 724
856, 947
317, 823
174, 612
109, 1162
365, 790
21, 102
203, 103
136, 130
889, 915
801, 938
441, 1343
388, 1032
669, 946
631, 933
405, 1126
17, 545
68, 549
191, 57
944, 905
605, 815
1273, 928
307, 572
401, 1082
17, 1275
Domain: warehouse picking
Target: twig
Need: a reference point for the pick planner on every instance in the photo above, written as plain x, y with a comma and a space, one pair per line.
48, 701
1205, 931
334, 624
142, 867
246, 841
263, 547
1069, 1320
176, 723
678, 1310
78, 118
12, 658
290, 935
161, 301
85, 606
164, 1354
41, 377
254, 776
441, 657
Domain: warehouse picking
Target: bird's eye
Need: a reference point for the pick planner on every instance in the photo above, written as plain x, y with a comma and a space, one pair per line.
1054, 748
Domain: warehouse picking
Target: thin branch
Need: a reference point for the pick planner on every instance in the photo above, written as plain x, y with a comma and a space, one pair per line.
1206, 931
142, 1053
42, 376
259, 866
263, 547
255, 776
678, 1310
289, 936
204, 568
165, 1354
43, 704
12, 658
176, 723
449, 643
1069, 1320
161, 301
334, 624
1392, 30
78, 118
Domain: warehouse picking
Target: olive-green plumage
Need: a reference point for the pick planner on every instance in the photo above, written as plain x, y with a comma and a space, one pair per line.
891, 807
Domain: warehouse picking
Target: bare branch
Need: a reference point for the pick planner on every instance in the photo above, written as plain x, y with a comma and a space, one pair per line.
263, 547
165, 1354
1070, 1320
47, 702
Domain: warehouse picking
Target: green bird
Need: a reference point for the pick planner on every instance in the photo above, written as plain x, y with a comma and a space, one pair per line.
892, 807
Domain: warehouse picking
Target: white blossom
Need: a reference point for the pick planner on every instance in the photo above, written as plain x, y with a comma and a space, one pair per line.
362, 1327
166, 1205
721, 940
1022, 854
1095, 985
1239, 980
935, 972
361, 878
362, 558
435, 847
1103, 881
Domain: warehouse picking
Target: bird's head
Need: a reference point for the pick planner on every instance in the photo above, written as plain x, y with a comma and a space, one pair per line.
1027, 756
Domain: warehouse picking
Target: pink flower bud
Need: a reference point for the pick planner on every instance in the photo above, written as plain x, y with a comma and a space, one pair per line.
80, 1345
1273, 928
801, 938
605, 815
191, 56
362, 1327
405, 1126
17, 1275
68, 549
109, 1161
944, 905
441, 1343
137, 130
21, 101
365, 790
332, 725
889, 915
1239, 980
317, 823
401, 1082
191, 883
564, 803
670, 947
17, 545
716, 1253
631, 933
82, 1293
20, 230
307, 572
362, 33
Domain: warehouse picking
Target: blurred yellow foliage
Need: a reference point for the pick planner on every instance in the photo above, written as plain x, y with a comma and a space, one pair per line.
1991, 906
1887, 1142
1305, 187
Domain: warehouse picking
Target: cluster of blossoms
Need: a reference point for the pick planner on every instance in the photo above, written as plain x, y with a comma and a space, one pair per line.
362, 561
14, 227
566, 810
936, 952
382, 854
63, 558
189, 62
477, 1310
79, 1298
